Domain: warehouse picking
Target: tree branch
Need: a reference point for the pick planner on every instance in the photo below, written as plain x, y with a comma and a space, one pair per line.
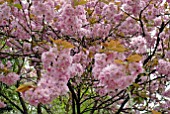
12, 103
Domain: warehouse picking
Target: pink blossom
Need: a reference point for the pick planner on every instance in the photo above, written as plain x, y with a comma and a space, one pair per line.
139, 44
163, 67
2, 104
76, 69
10, 78
167, 93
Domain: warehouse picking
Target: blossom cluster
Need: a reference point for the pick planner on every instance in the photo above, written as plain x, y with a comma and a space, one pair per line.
114, 75
167, 93
4, 13
138, 44
163, 67
58, 68
9, 78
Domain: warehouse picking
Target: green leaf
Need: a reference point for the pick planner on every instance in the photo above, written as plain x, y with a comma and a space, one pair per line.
79, 2
24, 87
155, 112
62, 43
92, 20
10, 1
18, 6
118, 61
104, 1
114, 45
136, 85
134, 58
